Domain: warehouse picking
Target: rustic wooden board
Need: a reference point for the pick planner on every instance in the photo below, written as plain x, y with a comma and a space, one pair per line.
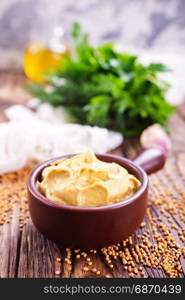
27, 253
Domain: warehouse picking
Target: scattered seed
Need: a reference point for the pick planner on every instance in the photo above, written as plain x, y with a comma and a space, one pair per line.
57, 272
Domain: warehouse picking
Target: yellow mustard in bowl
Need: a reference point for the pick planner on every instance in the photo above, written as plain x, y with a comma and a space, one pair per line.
84, 180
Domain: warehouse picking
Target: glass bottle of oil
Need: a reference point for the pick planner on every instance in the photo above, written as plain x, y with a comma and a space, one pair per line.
40, 57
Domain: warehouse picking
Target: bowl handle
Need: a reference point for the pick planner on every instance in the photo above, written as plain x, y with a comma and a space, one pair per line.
151, 160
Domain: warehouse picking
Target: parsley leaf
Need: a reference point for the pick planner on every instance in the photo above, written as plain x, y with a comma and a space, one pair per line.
101, 86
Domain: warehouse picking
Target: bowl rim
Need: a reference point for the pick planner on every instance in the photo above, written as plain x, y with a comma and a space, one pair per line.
115, 158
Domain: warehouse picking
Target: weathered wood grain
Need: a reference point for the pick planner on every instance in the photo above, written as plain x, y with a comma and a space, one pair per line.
9, 245
29, 254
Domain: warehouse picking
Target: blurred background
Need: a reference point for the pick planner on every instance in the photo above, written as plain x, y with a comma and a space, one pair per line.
35, 37
154, 29
157, 25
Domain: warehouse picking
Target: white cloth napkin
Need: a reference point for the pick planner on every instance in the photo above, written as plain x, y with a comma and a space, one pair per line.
41, 136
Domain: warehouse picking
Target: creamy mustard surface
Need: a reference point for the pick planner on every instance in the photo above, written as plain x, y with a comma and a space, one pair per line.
84, 180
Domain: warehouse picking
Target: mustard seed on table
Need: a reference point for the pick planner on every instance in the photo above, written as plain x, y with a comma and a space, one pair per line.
13, 191
159, 243
57, 272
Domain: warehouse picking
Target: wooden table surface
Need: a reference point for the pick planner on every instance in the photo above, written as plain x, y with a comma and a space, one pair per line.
27, 253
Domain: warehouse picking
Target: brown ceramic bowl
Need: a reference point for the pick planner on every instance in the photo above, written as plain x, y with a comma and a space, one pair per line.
93, 227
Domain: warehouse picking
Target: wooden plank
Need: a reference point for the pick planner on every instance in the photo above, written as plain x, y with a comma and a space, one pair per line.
10, 240
37, 255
